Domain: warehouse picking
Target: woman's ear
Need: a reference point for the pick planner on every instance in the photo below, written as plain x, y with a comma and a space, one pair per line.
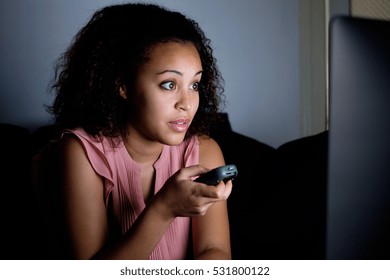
122, 92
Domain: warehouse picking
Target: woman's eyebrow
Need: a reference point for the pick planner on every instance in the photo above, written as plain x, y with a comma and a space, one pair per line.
177, 72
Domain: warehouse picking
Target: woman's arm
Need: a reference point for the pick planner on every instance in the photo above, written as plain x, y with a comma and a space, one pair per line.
211, 236
85, 211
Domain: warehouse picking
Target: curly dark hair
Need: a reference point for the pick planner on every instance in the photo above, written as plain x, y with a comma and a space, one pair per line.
107, 53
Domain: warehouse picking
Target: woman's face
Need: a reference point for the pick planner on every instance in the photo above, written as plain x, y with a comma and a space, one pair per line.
166, 97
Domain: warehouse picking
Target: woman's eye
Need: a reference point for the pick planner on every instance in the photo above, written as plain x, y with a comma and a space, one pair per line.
195, 86
168, 85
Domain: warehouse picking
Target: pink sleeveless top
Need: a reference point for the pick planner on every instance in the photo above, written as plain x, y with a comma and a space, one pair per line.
123, 193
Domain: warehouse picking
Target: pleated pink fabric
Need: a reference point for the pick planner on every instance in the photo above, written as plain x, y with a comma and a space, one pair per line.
123, 193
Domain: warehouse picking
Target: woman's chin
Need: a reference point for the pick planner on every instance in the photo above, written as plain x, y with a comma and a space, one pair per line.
174, 140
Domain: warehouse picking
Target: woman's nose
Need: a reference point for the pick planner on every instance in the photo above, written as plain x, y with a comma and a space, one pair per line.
185, 100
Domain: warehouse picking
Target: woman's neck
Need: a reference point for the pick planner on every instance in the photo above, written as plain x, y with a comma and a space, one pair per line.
142, 151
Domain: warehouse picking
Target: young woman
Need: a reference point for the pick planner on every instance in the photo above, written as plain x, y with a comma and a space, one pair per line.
136, 94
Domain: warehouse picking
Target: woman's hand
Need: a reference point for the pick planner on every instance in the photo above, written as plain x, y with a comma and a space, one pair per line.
181, 196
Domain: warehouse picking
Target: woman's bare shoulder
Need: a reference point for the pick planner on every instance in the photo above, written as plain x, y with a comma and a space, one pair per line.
210, 153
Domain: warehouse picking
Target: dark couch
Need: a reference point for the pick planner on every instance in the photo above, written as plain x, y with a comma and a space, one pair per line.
276, 209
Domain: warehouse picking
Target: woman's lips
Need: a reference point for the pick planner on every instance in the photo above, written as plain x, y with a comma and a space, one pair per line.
180, 125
